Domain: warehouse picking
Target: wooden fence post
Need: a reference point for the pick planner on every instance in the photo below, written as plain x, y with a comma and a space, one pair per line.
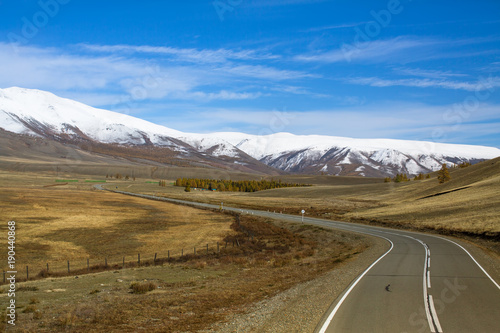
207, 248
154, 261
139, 259
218, 247
195, 251
168, 255
27, 273
105, 262
68, 266
47, 267
123, 266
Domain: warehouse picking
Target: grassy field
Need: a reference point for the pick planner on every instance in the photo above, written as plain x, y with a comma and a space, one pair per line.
71, 221
469, 204
74, 222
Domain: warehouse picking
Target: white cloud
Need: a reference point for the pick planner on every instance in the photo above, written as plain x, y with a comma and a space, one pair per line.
483, 84
263, 72
429, 73
376, 51
114, 80
183, 54
398, 120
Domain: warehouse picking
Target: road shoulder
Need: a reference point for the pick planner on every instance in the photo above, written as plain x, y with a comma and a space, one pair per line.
301, 308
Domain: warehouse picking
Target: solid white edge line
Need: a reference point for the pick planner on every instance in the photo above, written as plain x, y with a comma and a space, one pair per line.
429, 279
429, 263
470, 255
434, 314
334, 311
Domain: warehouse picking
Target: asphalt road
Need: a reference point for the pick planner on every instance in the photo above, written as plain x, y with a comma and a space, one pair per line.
423, 283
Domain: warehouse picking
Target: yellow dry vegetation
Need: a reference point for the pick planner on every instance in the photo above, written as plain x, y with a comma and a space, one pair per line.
468, 203
74, 222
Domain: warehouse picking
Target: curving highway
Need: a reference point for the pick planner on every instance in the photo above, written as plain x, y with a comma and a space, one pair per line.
423, 283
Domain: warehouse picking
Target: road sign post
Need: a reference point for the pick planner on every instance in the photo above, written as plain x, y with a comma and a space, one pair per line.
303, 211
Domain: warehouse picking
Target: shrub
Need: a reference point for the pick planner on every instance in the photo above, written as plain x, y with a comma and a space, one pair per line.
142, 287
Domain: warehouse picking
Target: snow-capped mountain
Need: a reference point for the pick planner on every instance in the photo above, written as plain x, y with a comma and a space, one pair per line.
43, 114
365, 157
39, 113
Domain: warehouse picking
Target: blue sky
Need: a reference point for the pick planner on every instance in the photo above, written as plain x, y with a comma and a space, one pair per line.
420, 70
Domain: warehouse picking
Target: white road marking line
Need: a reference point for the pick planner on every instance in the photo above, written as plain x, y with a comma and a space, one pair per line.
334, 311
470, 255
429, 263
426, 282
426, 304
429, 279
434, 314
339, 226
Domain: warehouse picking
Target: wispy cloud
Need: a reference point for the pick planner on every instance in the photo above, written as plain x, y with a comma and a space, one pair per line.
183, 54
276, 3
487, 83
415, 121
221, 95
335, 26
373, 51
264, 72
110, 75
428, 73
402, 49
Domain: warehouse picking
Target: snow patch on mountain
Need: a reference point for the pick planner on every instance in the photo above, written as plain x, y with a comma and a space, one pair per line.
36, 112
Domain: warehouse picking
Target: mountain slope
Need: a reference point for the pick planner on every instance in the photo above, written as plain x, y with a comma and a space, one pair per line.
42, 114
39, 113
347, 156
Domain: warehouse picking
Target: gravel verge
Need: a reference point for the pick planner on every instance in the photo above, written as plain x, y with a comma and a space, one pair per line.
301, 308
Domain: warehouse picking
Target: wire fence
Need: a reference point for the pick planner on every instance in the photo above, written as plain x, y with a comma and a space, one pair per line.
92, 265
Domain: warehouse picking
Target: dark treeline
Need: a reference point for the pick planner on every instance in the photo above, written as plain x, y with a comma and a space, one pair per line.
231, 185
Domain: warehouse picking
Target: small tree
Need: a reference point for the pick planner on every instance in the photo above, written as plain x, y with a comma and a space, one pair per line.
188, 188
443, 174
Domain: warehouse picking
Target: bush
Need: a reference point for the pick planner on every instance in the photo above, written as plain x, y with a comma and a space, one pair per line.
142, 287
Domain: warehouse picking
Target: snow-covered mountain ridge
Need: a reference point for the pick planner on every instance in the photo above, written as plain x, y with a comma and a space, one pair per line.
35, 112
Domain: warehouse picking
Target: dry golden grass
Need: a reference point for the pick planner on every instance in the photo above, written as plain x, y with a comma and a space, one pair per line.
468, 204
73, 222
188, 296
